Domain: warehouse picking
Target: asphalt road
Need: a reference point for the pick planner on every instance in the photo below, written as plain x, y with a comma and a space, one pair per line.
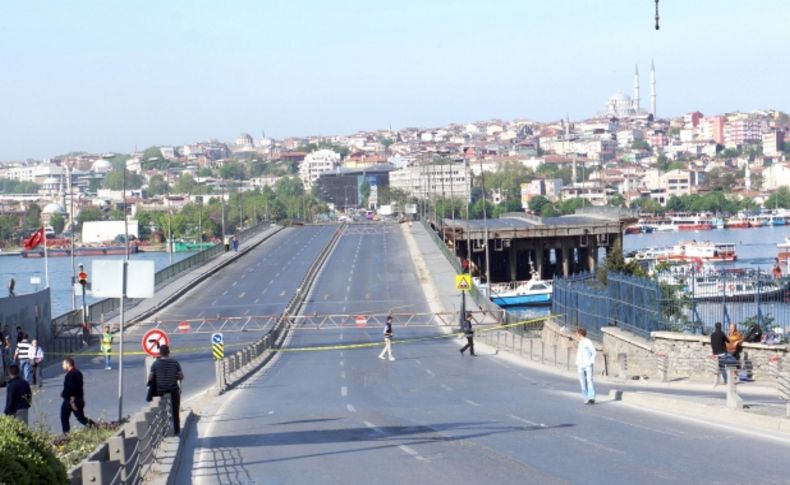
258, 283
433, 416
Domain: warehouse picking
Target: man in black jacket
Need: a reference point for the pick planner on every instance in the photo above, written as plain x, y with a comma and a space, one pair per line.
166, 375
469, 333
73, 397
718, 346
18, 395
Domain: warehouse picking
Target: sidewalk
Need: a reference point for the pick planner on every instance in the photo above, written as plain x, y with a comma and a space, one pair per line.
763, 408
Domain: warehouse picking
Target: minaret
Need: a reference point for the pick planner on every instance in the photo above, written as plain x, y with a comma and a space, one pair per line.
653, 89
748, 178
636, 89
568, 141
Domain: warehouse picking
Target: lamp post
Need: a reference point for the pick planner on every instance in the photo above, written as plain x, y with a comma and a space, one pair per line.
171, 246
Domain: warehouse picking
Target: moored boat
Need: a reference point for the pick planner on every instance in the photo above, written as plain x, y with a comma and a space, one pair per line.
533, 292
690, 251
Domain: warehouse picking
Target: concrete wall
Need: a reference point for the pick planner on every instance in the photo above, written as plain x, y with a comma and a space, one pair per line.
32, 312
687, 356
564, 340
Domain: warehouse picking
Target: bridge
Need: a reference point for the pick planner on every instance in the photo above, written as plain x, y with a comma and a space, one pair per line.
330, 411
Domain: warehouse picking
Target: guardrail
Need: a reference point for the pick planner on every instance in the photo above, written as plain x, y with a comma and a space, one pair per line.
72, 320
128, 455
232, 369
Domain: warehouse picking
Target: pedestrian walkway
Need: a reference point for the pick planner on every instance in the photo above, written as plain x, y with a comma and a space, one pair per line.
528, 349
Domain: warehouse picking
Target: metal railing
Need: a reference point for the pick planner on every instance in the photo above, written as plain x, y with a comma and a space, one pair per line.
71, 322
130, 453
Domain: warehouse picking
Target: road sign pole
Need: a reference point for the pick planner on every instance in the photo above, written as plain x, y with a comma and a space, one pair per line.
120, 346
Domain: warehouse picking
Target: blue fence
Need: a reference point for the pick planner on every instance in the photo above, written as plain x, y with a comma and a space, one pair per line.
690, 303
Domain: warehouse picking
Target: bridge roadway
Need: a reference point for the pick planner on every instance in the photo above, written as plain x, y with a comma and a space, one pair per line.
258, 283
433, 416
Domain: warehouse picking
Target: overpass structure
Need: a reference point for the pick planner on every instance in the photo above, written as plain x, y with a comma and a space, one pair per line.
332, 412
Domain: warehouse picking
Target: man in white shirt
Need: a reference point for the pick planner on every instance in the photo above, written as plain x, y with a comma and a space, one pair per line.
585, 358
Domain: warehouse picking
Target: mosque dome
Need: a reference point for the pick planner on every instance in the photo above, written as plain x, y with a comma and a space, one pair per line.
53, 208
101, 166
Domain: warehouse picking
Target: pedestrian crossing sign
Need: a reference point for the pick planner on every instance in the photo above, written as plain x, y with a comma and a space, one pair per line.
463, 282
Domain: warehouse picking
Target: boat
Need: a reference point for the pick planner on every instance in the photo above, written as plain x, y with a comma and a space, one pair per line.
532, 292
784, 250
690, 251
692, 223
80, 251
733, 285
736, 223
633, 229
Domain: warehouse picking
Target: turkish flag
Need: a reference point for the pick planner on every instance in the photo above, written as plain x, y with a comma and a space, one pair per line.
35, 239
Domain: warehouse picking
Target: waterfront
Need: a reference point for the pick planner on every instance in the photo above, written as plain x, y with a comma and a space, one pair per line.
60, 272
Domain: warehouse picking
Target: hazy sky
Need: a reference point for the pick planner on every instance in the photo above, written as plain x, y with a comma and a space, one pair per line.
109, 75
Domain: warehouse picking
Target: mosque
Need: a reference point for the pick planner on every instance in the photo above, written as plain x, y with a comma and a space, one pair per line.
621, 105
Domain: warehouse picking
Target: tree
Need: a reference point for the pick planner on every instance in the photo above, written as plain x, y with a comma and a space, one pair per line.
288, 187
510, 205
58, 222
232, 170
114, 180
569, 206
476, 211
617, 200
640, 145
364, 190
157, 185
152, 152
89, 214
205, 172
780, 198
185, 184
646, 204
10, 186
8, 226
539, 205
33, 217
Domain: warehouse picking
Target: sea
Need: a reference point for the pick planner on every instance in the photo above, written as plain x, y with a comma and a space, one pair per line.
60, 273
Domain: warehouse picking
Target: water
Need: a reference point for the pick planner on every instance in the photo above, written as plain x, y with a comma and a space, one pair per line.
22, 269
756, 248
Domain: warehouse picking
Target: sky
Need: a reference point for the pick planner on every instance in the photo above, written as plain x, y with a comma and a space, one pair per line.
115, 75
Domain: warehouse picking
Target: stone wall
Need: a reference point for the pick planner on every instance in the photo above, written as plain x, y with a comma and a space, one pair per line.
563, 339
31, 311
687, 356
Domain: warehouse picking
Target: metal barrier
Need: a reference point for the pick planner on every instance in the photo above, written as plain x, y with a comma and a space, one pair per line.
783, 386
231, 369
71, 321
129, 454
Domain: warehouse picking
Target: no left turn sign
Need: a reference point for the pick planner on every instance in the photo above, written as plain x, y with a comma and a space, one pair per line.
153, 340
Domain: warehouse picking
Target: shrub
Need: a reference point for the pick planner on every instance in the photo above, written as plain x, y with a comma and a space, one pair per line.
26, 457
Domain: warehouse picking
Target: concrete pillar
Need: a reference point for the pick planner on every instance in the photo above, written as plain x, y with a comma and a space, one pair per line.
592, 256
566, 258
512, 254
538, 261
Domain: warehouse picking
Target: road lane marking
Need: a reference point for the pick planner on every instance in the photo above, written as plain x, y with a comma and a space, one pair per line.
472, 403
342, 374
247, 311
526, 421
224, 292
641, 426
446, 387
430, 372
341, 353
375, 428
351, 408
597, 445
367, 296
214, 303
342, 363
326, 297
235, 283
282, 293
200, 314
419, 362
412, 452
343, 391
255, 302
241, 295
348, 288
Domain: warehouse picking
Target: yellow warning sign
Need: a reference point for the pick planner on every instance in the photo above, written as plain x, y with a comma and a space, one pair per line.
463, 282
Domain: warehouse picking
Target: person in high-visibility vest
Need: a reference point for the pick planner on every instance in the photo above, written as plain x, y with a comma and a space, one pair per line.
106, 346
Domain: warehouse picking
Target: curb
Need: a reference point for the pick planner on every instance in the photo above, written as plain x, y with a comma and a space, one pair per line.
704, 412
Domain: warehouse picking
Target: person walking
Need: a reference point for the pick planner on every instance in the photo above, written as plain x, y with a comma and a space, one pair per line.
226, 241
585, 360
18, 396
469, 333
387, 340
73, 397
235, 242
106, 346
11, 286
6, 354
166, 376
36, 358
718, 346
22, 356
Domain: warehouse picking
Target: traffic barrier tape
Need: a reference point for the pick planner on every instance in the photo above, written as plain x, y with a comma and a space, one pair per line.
177, 351
407, 341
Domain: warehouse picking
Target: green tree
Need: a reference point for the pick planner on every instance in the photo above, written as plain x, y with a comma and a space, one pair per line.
8, 227
58, 222
10, 186
89, 214
780, 198
33, 217
476, 211
569, 206
617, 200
205, 172
640, 145
540, 204
185, 184
510, 205
364, 190
646, 204
114, 180
288, 187
157, 185
232, 170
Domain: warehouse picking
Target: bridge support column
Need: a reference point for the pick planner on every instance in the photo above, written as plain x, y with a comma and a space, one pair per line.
538, 261
592, 256
512, 256
565, 251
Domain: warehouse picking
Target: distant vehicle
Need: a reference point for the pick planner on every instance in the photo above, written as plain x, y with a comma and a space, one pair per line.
369, 215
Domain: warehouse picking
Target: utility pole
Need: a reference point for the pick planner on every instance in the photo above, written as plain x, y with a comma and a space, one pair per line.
485, 229
123, 301
222, 201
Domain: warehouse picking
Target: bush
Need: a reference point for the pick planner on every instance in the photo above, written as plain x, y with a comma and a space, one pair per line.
26, 457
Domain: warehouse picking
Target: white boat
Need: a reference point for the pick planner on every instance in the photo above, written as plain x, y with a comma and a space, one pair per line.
739, 285
533, 292
690, 251
784, 250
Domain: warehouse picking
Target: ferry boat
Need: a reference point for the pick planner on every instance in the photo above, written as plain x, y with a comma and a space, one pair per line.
736, 285
533, 292
692, 223
784, 250
736, 223
690, 251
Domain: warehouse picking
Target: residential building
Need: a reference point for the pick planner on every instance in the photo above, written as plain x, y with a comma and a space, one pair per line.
316, 163
427, 181
773, 143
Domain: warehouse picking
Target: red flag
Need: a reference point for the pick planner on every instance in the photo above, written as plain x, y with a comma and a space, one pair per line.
35, 239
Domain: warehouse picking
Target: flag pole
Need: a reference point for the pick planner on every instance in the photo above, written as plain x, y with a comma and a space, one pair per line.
46, 262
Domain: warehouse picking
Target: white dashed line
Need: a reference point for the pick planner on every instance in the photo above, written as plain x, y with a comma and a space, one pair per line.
526, 421
282, 293
235, 283
411, 452
214, 303
341, 353
418, 361
430, 372
241, 295
255, 302
343, 391
597, 445
472, 403
372, 426
224, 292
351, 408
446, 387
342, 363
247, 311
342, 374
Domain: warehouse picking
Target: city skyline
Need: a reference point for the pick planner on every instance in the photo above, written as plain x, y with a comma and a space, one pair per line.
95, 77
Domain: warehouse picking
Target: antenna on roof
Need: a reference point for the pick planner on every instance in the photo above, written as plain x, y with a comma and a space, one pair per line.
657, 26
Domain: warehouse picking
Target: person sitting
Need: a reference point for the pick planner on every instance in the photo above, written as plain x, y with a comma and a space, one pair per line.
718, 347
735, 339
